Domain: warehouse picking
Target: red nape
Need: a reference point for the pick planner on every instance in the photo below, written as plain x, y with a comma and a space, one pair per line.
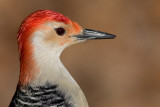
28, 26
37, 18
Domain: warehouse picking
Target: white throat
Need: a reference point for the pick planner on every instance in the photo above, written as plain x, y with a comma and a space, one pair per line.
51, 70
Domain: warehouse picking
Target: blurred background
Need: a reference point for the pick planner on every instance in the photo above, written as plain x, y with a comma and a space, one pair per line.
122, 72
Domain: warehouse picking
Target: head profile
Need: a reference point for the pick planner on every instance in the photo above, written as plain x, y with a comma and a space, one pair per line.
42, 37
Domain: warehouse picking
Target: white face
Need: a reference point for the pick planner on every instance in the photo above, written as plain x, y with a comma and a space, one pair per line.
57, 34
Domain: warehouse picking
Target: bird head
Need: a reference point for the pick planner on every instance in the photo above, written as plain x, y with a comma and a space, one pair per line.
43, 35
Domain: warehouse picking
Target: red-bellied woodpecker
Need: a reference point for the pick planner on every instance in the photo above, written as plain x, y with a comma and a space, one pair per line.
43, 80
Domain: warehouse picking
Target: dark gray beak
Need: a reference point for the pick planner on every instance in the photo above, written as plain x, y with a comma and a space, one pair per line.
91, 34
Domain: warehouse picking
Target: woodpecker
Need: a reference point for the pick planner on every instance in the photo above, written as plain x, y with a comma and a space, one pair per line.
43, 80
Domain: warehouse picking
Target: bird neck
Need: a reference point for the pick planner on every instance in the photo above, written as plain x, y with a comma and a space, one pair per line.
46, 68
52, 71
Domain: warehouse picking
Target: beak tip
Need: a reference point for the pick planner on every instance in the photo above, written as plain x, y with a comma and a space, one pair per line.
108, 36
113, 37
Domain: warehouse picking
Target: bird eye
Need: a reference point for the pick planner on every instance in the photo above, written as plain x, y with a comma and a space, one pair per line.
60, 31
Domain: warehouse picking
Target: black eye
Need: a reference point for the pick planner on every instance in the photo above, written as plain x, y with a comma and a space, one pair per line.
60, 31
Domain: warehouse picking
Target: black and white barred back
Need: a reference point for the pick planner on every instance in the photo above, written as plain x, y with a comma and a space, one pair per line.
42, 96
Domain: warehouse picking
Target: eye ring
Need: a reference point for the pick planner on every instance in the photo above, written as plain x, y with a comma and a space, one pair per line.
60, 31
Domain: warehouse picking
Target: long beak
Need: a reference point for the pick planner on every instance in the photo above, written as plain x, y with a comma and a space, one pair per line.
91, 34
